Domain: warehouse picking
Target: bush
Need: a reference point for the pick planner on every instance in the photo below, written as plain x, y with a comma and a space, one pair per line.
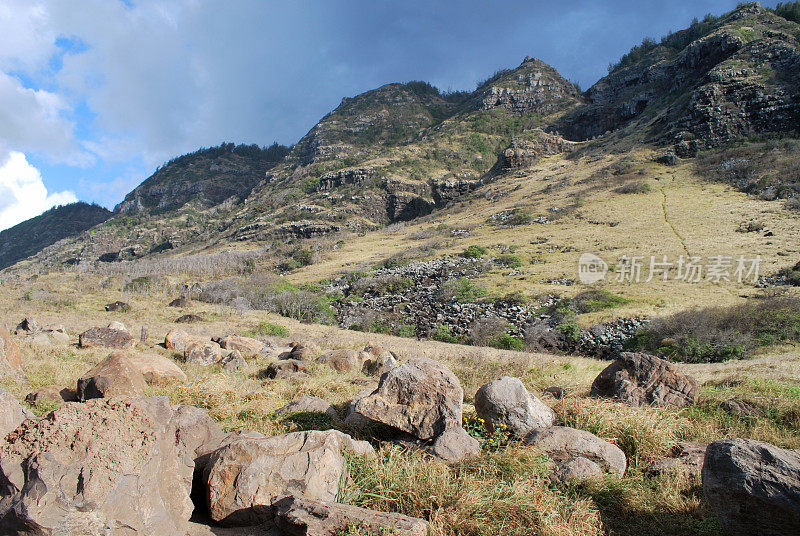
474, 252
635, 187
268, 329
463, 290
509, 260
485, 330
717, 334
442, 333
507, 342
596, 300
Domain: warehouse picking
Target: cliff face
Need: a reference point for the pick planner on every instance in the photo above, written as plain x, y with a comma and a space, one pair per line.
207, 177
720, 79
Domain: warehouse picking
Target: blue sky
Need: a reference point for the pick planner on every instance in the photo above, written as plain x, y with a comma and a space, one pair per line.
95, 94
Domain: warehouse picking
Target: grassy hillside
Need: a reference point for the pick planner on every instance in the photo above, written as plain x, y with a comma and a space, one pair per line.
32, 236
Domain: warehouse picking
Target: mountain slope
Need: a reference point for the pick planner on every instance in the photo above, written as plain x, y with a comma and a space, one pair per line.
32, 236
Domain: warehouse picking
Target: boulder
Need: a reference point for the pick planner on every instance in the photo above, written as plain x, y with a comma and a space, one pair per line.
188, 319
244, 477
562, 444
181, 302
343, 360
106, 338
303, 350
754, 487
115, 375
421, 397
178, 340
353, 418
301, 516
50, 395
640, 379
58, 335
202, 353
118, 306
10, 356
12, 413
742, 409
284, 369
233, 361
119, 326
28, 326
245, 345
308, 404
157, 369
506, 405
687, 462
577, 471
104, 467
379, 364
455, 445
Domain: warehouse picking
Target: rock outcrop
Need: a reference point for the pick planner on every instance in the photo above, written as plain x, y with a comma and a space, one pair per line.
103, 467
506, 405
116, 375
753, 486
300, 516
12, 413
640, 379
244, 477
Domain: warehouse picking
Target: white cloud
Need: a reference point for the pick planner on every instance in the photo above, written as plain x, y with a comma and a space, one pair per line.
22, 192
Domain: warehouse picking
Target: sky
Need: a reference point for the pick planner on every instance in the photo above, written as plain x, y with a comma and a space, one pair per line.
96, 94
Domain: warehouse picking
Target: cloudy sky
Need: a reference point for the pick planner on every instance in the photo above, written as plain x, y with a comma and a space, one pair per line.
95, 94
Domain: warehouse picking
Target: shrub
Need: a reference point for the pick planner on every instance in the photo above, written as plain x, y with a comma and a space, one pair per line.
474, 252
596, 300
442, 333
635, 187
509, 260
507, 342
463, 290
268, 329
715, 334
485, 330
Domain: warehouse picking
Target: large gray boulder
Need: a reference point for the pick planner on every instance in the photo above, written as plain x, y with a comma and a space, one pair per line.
202, 353
455, 445
754, 487
301, 516
421, 397
688, 461
640, 379
116, 375
563, 444
577, 471
12, 413
109, 466
106, 338
505, 404
157, 369
246, 475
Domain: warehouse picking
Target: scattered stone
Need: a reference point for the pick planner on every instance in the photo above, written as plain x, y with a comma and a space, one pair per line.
233, 362
245, 345
505, 404
12, 414
563, 444
104, 467
114, 376
28, 326
640, 379
343, 360
668, 159
202, 353
309, 404
107, 338
688, 462
301, 516
456, 445
244, 477
10, 356
556, 392
119, 306
421, 397
188, 319
754, 487
119, 326
302, 351
284, 369
50, 395
181, 302
157, 369
742, 408
577, 471
178, 340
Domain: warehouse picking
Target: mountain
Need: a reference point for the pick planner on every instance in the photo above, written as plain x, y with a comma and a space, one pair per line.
33, 235
406, 150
